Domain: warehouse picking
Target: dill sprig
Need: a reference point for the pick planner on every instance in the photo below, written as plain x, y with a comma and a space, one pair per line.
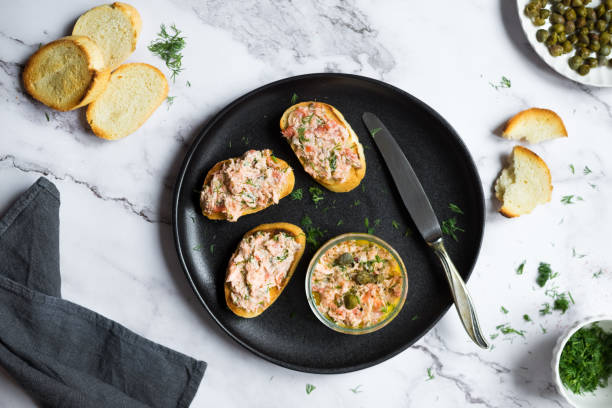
449, 227
168, 47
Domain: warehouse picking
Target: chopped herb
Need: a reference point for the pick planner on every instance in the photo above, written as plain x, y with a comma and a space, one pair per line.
587, 170
504, 310
506, 329
568, 199
373, 132
332, 160
504, 83
297, 194
494, 336
519, 270
230, 144
294, 98
193, 219
408, 232
455, 208
340, 222
189, 84
577, 255
212, 249
301, 136
197, 247
561, 303
450, 227
369, 228
168, 47
543, 329
430, 375
571, 166
170, 100
356, 390
586, 360
597, 274
395, 224
415, 317
316, 194
356, 203
363, 188
526, 318
309, 387
593, 186
545, 274
274, 158
312, 232
545, 310
244, 140
47, 115
283, 256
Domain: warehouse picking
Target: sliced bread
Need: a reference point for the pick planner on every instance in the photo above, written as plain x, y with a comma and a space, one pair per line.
133, 93
67, 73
114, 27
524, 184
535, 125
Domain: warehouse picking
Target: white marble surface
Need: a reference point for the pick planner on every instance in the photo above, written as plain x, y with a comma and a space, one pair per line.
117, 255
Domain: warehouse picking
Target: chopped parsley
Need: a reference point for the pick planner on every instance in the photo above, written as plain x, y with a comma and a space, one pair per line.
455, 208
571, 166
430, 375
545, 274
449, 227
309, 387
332, 160
356, 390
312, 233
294, 98
168, 47
519, 269
586, 360
373, 132
504, 310
562, 303
297, 194
356, 203
395, 224
545, 310
301, 136
316, 194
371, 228
283, 256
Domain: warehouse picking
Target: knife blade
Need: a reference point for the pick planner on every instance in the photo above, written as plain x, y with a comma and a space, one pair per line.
405, 179
418, 205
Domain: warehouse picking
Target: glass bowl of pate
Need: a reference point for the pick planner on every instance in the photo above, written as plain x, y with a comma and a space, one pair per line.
356, 283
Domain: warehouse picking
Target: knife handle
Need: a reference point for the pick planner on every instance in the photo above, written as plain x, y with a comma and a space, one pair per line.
463, 301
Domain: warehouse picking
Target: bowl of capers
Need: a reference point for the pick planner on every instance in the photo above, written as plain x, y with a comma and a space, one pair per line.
574, 37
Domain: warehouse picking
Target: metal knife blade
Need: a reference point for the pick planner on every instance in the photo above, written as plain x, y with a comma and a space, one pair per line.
406, 180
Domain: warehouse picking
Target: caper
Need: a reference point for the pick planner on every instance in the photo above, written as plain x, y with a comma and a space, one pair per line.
380, 278
590, 25
595, 45
583, 40
577, 3
531, 9
542, 35
580, 22
602, 61
350, 300
566, 3
608, 16
594, 36
601, 25
583, 31
605, 50
552, 39
555, 50
364, 277
573, 39
345, 259
561, 38
317, 297
544, 13
538, 22
592, 62
605, 38
600, 10
570, 14
575, 62
567, 47
581, 11
591, 15
557, 18
583, 52
586, 2
608, 4
570, 27
558, 8
584, 69
558, 28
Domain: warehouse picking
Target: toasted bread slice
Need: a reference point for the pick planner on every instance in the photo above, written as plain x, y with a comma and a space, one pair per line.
133, 93
287, 188
524, 184
535, 125
275, 292
114, 27
67, 73
356, 174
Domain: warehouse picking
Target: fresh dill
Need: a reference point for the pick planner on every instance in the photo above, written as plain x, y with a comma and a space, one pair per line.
572, 169
455, 208
356, 390
395, 224
569, 199
506, 329
294, 98
449, 227
503, 83
339, 223
371, 227
545, 274
310, 388
504, 310
430, 375
297, 194
312, 233
170, 100
47, 115
168, 47
316, 194
587, 170
373, 132
520, 268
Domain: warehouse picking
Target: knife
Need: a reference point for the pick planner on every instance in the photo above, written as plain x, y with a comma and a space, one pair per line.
422, 214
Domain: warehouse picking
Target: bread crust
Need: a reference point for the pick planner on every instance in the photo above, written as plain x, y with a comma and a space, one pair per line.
356, 174
300, 238
287, 189
100, 75
107, 134
542, 164
535, 113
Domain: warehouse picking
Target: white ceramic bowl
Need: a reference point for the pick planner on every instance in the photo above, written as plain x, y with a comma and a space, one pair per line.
602, 397
600, 76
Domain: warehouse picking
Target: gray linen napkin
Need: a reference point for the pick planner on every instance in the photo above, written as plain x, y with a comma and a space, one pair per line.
63, 354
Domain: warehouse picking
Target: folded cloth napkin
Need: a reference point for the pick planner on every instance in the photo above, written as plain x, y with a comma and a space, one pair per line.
63, 354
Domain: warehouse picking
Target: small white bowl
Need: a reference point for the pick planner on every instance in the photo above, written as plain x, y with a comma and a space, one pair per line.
602, 397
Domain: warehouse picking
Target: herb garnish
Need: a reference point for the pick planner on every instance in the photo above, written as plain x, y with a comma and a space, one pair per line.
597, 274
309, 387
545, 309
577, 255
197, 247
526, 318
373, 132
449, 227
586, 360
356, 390
586, 170
544, 274
301, 136
430, 375
332, 160
395, 224
369, 228
415, 317
571, 166
294, 98
170, 100
316, 194
504, 310
568, 199
312, 232
212, 249
519, 270
504, 83
356, 203
47, 115
455, 208
168, 47
188, 84
506, 329
297, 194
340, 222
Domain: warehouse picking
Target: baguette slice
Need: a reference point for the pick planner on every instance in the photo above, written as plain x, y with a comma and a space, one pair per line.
133, 93
114, 27
356, 174
67, 73
524, 184
275, 292
535, 125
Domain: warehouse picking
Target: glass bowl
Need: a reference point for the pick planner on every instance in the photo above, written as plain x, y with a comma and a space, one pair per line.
348, 237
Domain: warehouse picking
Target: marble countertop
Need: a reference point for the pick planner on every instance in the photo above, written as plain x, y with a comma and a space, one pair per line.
117, 254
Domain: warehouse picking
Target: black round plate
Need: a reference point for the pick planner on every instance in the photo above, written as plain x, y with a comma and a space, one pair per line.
287, 333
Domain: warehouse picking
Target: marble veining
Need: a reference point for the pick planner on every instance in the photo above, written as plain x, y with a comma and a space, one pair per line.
117, 254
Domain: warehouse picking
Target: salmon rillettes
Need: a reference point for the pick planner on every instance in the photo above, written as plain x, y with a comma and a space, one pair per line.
260, 264
356, 284
252, 181
322, 143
